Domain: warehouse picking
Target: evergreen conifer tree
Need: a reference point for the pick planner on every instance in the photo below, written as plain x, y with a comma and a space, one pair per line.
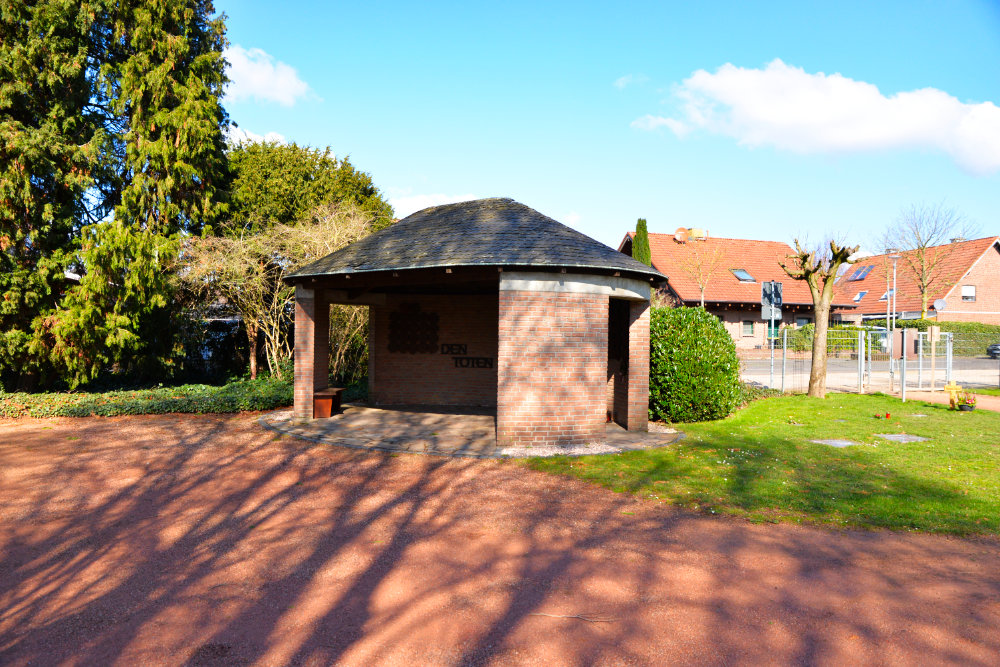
640, 243
110, 149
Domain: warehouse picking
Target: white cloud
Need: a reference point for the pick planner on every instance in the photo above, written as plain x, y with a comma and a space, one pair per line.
650, 122
623, 81
404, 203
255, 74
787, 108
237, 135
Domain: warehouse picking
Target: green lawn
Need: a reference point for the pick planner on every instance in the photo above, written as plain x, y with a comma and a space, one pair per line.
760, 464
988, 392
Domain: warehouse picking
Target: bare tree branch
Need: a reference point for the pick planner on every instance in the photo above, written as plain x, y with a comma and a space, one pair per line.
923, 234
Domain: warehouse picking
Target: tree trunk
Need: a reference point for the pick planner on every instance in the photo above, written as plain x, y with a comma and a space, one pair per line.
252, 340
702, 297
817, 374
923, 304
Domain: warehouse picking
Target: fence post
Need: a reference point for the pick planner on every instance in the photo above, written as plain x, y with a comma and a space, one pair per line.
784, 356
920, 360
861, 361
902, 369
947, 358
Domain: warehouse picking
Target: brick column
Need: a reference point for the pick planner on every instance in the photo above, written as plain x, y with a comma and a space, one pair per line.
552, 364
312, 348
636, 416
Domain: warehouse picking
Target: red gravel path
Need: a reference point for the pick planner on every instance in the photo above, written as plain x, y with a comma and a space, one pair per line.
203, 540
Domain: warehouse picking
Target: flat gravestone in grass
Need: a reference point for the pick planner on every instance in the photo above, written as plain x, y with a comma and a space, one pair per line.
901, 437
836, 442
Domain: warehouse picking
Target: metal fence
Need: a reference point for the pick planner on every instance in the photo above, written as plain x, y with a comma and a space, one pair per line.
867, 360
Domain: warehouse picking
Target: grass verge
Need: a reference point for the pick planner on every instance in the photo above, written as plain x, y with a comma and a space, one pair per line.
760, 464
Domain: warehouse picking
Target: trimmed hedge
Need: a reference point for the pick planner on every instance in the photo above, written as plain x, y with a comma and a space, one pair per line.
693, 367
243, 395
752, 391
950, 327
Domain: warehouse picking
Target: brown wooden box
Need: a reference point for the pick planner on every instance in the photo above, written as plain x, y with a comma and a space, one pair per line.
326, 402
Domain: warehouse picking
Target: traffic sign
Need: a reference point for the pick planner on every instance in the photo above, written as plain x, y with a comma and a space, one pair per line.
770, 300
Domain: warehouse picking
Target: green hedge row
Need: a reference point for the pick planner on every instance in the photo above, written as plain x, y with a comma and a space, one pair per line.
244, 395
953, 327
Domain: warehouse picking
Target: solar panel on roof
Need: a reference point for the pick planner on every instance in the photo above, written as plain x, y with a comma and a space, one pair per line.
861, 273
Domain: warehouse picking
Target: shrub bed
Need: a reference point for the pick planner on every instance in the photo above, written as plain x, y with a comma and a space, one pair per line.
243, 395
751, 391
693, 367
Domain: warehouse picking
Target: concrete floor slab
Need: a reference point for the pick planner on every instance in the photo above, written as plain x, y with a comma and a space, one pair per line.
458, 432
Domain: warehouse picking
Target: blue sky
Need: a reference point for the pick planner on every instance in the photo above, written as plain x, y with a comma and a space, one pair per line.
751, 120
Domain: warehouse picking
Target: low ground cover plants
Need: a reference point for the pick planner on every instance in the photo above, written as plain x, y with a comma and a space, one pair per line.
262, 394
761, 464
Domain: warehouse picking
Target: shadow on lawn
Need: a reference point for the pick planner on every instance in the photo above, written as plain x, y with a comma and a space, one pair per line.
774, 476
168, 547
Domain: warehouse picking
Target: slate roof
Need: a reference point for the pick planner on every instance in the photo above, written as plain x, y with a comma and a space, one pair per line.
483, 232
761, 259
959, 259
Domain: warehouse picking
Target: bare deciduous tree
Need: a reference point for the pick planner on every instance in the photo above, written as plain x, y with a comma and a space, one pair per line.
819, 271
923, 234
700, 264
247, 273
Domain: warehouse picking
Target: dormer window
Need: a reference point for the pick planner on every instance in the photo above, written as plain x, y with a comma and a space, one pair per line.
743, 275
860, 295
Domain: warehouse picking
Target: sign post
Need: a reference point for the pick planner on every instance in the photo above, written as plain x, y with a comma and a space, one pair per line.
770, 309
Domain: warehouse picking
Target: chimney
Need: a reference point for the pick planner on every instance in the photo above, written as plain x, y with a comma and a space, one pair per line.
958, 239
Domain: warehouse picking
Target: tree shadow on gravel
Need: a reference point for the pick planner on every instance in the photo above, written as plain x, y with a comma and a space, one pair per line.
210, 541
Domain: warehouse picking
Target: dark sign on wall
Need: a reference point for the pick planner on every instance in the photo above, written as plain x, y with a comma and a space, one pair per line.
457, 351
473, 362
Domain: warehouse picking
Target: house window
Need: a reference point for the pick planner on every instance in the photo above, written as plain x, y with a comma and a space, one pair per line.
743, 275
860, 295
802, 321
747, 327
968, 292
885, 296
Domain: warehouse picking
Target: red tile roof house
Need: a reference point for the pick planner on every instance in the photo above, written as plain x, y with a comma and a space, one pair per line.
735, 269
968, 280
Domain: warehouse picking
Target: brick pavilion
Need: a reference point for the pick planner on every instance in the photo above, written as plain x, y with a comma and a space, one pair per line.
490, 304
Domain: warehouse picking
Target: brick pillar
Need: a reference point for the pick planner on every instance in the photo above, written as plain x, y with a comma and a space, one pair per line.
551, 368
312, 348
636, 416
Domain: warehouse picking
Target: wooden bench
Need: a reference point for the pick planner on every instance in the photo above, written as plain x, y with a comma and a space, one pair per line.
326, 402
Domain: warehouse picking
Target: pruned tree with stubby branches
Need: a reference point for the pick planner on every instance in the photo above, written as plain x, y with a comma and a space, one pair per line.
819, 268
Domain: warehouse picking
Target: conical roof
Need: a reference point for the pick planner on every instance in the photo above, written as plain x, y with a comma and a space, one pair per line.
484, 232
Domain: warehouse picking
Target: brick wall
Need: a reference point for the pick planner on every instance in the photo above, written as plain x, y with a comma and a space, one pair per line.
312, 349
552, 368
432, 378
985, 275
